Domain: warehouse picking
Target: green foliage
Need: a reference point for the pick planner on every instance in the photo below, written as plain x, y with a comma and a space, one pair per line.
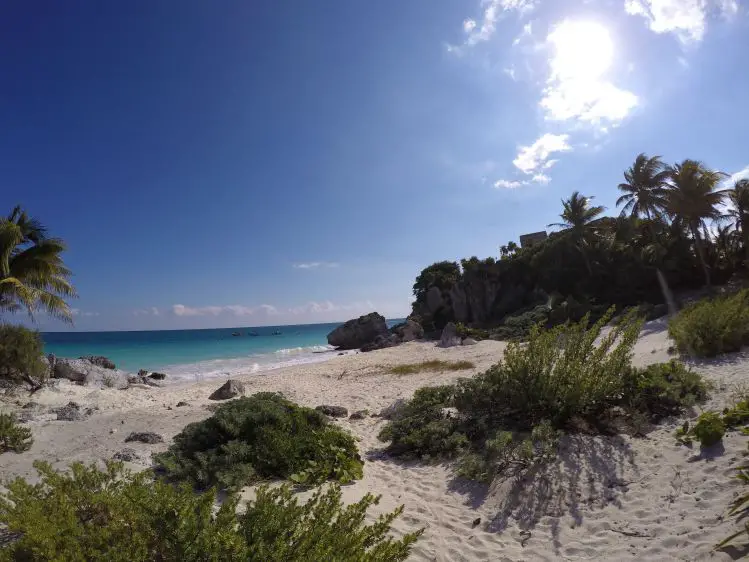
21, 355
664, 389
517, 327
32, 272
739, 507
712, 326
432, 365
118, 516
708, 430
467, 332
738, 414
259, 437
13, 437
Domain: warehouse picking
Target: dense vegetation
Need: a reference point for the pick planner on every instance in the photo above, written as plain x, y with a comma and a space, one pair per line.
569, 378
261, 437
118, 516
710, 327
13, 437
659, 244
21, 356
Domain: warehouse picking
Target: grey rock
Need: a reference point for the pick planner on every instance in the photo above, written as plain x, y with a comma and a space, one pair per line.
69, 369
409, 330
99, 361
229, 389
157, 376
147, 437
127, 455
182, 403
83, 371
394, 411
469, 341
142, 373
358, 332
381, 342
70, 412
333, 411
450, 337
434, 299
459, 301
359, 415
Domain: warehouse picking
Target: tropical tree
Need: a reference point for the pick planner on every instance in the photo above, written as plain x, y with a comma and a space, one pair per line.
692, 198
508, 249
739, 212
578, 217
644, 188
32, 272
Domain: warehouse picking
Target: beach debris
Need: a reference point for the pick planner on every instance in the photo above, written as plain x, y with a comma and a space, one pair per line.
70, 412
359, 415
333, 411
147, 437
450, 337
127, 455
230, 389
182, 403
394, 410
99, 361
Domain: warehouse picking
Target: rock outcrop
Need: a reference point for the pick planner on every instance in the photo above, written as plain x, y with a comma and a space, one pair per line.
230, 389
358, 332
409, 330
450, 337
99, 361
83, 371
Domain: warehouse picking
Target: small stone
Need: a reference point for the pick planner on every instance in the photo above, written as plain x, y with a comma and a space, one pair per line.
147, 437
359, 415
112, 431
476, 522
182, 403
157, 376
333, 411
127, 455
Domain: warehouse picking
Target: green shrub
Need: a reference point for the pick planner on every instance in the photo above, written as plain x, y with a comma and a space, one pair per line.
118, 516
712, 326
13, 437
259, 437
739, 507
663, 389
467, 332
518, 326
511, 415
432, 365
21, 356
737, 414
708, 430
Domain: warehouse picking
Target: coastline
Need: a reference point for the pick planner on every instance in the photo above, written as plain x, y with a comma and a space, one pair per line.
614, 498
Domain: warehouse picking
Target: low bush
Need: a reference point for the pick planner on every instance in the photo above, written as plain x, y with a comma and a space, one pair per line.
259, 437
664, 389
708, 430
435, 365
712, 326
518, 326
13, 437
739, 507
118, 516
512, 415
738, 414
468, 332
21, 356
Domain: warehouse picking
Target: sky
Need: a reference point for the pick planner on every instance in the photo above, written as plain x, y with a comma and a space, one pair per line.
233, 163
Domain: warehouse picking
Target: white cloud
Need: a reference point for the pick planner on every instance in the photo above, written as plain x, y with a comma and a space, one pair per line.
541, 178
152, 311
527, 32
507, 184
479, 31
535, 157
314, 307
79, 312
315, 265
576, 89
687, 19
740, 175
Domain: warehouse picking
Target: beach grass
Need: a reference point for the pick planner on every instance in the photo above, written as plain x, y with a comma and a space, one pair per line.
434, 365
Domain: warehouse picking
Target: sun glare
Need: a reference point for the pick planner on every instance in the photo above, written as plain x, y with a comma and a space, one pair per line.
583, 50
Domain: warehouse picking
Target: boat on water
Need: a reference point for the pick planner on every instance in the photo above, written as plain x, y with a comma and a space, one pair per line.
277, 333
255, 334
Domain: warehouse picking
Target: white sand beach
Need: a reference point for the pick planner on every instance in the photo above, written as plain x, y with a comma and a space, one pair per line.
606, 498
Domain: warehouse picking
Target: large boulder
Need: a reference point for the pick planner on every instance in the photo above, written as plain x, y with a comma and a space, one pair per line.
450, 337
359, 332
99, 361
409, 330
229, 389
83, 371
381, 342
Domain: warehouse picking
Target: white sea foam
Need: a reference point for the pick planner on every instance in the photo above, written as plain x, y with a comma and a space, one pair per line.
258, 363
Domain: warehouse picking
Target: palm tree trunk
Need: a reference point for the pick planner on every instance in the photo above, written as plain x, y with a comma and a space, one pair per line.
700, 253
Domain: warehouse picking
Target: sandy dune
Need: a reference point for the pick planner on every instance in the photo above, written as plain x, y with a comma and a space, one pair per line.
607, 498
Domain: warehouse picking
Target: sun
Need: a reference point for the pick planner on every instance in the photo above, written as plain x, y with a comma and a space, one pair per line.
583, 50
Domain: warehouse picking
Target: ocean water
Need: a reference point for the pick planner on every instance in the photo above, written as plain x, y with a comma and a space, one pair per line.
187, 355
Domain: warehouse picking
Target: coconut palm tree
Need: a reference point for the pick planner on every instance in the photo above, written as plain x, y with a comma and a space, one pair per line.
739, 198
692, 198
578, 216
32, 272
644, 188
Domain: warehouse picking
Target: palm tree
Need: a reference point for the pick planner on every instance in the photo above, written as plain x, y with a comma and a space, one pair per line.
578, 216
692, 200
644, 188
739, 197
32, 272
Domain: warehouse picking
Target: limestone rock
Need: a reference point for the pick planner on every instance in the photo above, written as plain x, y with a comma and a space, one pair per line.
147, 437
450, 337
70, 412
157, 376
229, 389
358, 332
333, 411
99, 361
127, 455
409, 330
469, 341
394, 410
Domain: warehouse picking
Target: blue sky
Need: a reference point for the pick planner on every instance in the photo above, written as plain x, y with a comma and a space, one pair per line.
249, 163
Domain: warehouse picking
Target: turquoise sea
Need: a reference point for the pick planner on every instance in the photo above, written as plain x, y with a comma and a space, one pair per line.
197, 354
